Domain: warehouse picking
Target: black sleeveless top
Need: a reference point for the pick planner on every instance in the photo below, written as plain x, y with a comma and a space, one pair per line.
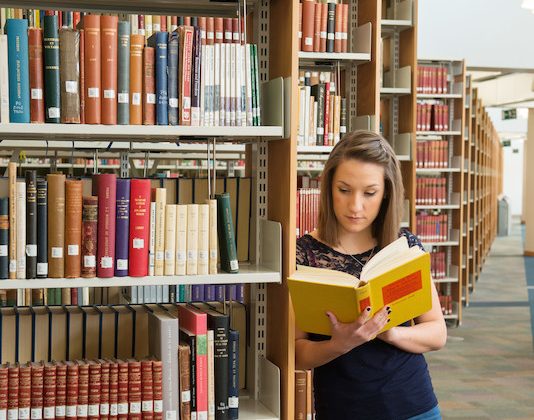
375, 380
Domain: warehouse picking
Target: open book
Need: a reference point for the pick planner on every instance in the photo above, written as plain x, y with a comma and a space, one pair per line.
398, 276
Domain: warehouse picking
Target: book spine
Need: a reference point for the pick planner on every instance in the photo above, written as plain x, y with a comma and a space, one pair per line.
83, 390
122, 228
172, 76
71, 401
89, 236
49, 391
69, 57
137, 43
31, 224
12, 179
81, 66
161, 200
42, 228
95, 373
13, 392
60, 403
196, 79
19, 81
157, 386
56, 225
213, 239
139, 237
122, 396
300, 394
226, 233
109, 63
4, 80
37, 379
170, 239
4, 238
308, 19
123, 86
25, 391
134, 390
21, 230
104, 390
92, 63
233, 374
73, 227
186, 66
162, 101
35, 49
184, 356
330, 26
192, 239
51, 70
107, 193
4, 394
113, 390
149, 87
220, 326
147, 390
181, 239
152, 240
203, 238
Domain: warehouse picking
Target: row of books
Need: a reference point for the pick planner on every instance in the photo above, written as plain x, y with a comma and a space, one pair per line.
101, 74
140, 24
438, 264
432, 154
431, 191
324, 26
432, 79
432, 227
304, 406
307, 210
202, 347
445, 301
322, 110
112, 388
432, 117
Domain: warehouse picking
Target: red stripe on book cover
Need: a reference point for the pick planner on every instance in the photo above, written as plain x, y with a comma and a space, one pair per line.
364, 304
402, 287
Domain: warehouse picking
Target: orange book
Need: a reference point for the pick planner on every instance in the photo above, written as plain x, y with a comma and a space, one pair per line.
149, 87
344, 27
324, 25
92, 64
137, 42
73, 228
308, 13
109, 47
338, 37
317, 28
82, 76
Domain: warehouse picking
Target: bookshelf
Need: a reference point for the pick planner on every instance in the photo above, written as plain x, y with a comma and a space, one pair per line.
466, 195
440, 138
269, 159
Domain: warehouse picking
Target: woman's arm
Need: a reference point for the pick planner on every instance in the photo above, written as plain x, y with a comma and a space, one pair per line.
429, 332
345, 336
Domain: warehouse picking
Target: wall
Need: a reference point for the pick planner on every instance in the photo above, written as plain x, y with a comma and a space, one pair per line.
486, 33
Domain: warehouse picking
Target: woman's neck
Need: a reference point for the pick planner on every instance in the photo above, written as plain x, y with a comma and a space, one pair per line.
355, 243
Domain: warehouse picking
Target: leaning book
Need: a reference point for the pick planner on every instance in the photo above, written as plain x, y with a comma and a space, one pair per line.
398, 276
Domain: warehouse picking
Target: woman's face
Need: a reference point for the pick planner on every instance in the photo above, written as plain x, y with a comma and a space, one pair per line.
357, 193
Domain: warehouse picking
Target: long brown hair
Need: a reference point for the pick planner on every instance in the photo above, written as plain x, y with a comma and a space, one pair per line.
370, 147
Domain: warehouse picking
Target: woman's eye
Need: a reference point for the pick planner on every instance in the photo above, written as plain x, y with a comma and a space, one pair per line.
343, 190
370, 193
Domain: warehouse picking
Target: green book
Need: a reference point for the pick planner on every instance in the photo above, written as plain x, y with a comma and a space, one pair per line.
226, 233
123, 74
51, 70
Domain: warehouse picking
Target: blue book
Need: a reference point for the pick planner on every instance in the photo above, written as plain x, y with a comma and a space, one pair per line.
19, 79
122, 227
172, 83
197, 293
233, 374
159, 41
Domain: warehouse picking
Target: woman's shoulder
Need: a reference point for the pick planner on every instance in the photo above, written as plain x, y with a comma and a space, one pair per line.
413, 239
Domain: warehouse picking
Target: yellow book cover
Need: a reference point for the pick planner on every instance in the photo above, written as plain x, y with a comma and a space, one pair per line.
398, 276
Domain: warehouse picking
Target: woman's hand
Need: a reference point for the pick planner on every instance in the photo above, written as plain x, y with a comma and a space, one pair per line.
346, 336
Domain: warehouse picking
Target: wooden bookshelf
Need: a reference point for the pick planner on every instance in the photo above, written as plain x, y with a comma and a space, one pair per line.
455, 248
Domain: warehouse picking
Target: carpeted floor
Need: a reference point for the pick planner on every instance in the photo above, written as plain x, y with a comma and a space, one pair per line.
486, 370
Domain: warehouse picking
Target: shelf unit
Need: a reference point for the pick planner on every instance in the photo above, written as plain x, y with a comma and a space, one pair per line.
269, 159
454, 98
466, 194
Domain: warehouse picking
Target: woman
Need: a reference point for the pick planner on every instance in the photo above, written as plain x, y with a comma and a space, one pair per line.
357, 373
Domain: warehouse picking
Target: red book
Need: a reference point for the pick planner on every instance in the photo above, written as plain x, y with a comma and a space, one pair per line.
95, 370
82, 76
235, 31
149, 87
147, 390
72, 390
163, 23
338, 28
134, 389
13, 391
196, 322
139, 227
123, 390
113, 389
35, 52
75, 19
107, 192
157, 386
83, 389
317, 28
4, 381
228, 34
104, 389
186, 41
61, 390
37, 389
324, 25
92, 63
49, 391
25, 391
308, 13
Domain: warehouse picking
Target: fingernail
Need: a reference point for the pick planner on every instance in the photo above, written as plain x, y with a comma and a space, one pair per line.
368, 309
389, 320
389, 311
388, 308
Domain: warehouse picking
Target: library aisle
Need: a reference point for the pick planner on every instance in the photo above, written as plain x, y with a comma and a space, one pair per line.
486, 370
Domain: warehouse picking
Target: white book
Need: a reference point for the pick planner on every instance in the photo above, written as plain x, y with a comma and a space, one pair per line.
307, 93
256, 75
192, 239
2, 20
238, 60
211, 374
203, 238
222, 92
4, 80
161, 201
214, 253
228, 85
302, 110
203, 87
217, 84
248, 73
243, 79
170, 239
134, 24
211, 76
313, 137
181, 239
21, 229
152, 248
233, 84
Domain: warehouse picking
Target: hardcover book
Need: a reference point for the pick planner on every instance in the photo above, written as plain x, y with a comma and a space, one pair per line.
51, 70
397, 276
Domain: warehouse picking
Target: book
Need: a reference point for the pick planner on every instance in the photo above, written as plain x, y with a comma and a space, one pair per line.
4, 80
42, 228
31, 225
137, 43
18, 62
56, 225
69, 57
92, 69
109, 46
139, 227
35, 49
51, 70
227, 245
123, 84
107, 197
73, 227
122, 227
4, 237
397, 276
89, 236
